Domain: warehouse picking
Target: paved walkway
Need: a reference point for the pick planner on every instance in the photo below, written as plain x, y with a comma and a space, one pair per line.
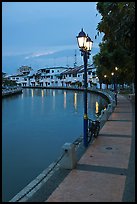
105, 172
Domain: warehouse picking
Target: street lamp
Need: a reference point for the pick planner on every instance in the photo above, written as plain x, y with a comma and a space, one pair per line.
116, 68
115, 85
85, 45
113, 82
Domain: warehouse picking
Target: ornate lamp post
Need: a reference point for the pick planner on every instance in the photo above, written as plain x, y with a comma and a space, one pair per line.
85, 45
105, 76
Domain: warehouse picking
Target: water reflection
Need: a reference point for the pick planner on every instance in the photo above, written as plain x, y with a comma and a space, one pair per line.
97, 107
32, 93
42, 93
32, 100
22, 96
42, 100
65, 103
75, 101
53, 94
97, 103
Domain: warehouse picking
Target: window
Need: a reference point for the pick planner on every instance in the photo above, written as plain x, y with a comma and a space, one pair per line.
93, 73
52, 71
75, 75
60, 77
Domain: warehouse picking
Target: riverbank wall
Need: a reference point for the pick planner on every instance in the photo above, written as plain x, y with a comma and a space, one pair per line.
11, 91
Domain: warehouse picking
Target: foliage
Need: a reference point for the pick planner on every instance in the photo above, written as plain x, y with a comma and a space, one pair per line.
24, 69
93, 83
7, 82
118, 43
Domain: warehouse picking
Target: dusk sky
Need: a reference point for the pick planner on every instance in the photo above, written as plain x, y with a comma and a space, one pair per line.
41, 34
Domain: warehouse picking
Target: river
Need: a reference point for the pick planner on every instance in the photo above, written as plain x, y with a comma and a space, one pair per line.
35, 125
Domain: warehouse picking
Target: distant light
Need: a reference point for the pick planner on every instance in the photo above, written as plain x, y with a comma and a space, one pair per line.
116, 68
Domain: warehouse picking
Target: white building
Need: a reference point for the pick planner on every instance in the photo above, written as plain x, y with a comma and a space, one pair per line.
56, 76
21, 78
75, 76
48, 77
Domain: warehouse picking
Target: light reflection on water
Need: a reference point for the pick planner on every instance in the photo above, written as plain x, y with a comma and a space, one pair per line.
35, 125
97, 110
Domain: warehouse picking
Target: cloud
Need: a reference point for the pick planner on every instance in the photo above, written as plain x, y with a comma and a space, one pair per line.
39, 54
57, 49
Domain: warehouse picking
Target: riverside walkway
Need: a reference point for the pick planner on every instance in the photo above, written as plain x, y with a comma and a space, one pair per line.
106, 171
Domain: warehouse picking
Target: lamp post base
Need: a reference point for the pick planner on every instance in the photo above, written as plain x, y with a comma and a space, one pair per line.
85, 139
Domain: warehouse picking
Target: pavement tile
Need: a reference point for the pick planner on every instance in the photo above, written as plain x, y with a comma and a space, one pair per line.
118, 128
120, 116
127, 109
118, 156
85, 186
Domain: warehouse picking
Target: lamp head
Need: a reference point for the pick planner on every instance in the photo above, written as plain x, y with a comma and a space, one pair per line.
89, 43
81, 39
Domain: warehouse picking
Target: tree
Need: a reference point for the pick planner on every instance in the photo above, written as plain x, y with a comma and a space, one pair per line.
24, 69
118, 43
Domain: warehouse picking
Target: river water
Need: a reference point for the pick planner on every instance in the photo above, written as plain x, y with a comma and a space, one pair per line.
35, 125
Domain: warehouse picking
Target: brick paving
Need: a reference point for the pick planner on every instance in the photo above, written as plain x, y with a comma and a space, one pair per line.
101, 173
